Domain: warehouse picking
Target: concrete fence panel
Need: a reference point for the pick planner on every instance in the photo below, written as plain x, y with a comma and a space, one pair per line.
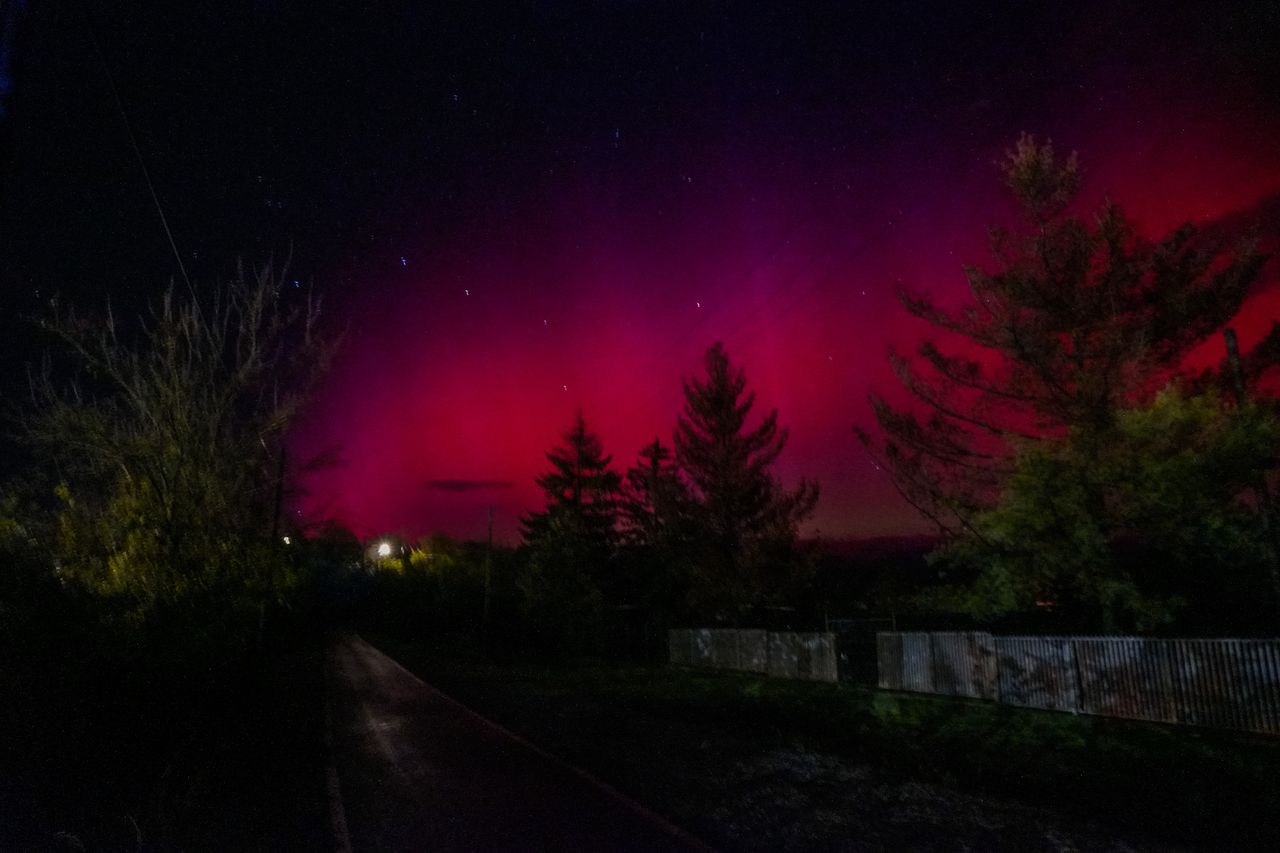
782, 654
819, 660
754, 646
724, 649
701, 652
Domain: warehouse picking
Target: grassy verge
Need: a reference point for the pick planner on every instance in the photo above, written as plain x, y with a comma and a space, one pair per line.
675, 738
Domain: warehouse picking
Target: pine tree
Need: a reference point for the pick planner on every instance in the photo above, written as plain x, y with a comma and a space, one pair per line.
654, 497
656, 529
572, 541
748, 520
1077, 323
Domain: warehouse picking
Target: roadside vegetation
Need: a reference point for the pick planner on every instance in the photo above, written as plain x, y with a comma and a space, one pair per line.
159, 638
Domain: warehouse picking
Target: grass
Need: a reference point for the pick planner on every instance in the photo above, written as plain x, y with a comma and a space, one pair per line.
666, 735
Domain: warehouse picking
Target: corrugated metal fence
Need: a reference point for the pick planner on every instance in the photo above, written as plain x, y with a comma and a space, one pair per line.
1231, 684
783, 654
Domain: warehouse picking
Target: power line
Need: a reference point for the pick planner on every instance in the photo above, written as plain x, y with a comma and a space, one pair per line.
142, 163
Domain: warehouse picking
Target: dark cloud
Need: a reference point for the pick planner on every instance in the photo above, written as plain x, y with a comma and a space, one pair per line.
467, 485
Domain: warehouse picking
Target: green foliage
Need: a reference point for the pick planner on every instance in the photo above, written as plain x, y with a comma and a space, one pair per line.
1040, 445
1077, 321
166, 446
1081, 521
748, 523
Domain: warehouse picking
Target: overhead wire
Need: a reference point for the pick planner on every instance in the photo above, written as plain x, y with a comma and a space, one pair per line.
137, 150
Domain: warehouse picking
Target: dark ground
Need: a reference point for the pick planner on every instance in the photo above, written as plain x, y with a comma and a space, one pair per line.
419, 772
132, 758
756, 764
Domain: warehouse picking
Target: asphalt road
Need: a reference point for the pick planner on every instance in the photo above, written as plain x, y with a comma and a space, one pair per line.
414, 770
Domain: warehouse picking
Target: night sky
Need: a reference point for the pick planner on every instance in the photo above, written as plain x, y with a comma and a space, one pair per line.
521, 209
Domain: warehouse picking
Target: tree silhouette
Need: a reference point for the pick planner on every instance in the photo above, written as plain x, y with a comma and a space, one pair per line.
748, 521
1076, 321
572, 541
657, 529
1022, 442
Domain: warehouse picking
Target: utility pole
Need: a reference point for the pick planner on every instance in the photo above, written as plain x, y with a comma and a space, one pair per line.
488, 572
1266, 502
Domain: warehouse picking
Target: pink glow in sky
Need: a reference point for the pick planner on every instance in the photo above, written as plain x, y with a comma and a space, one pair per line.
600, 290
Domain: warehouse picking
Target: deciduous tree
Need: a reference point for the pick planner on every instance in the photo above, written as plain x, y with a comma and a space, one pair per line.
167, 445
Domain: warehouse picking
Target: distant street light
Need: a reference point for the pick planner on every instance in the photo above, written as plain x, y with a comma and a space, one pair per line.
384, 550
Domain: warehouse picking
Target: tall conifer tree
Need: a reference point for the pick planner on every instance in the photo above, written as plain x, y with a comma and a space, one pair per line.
1077, 320
657, 530
1021, 439
572, 541
748, 520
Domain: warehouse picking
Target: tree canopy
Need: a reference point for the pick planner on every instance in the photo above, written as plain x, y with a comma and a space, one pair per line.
572, 540
748, 521
167, 444
1041, 442
1076, 320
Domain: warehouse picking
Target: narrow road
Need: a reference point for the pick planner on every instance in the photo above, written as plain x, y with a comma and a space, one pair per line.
417, 771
